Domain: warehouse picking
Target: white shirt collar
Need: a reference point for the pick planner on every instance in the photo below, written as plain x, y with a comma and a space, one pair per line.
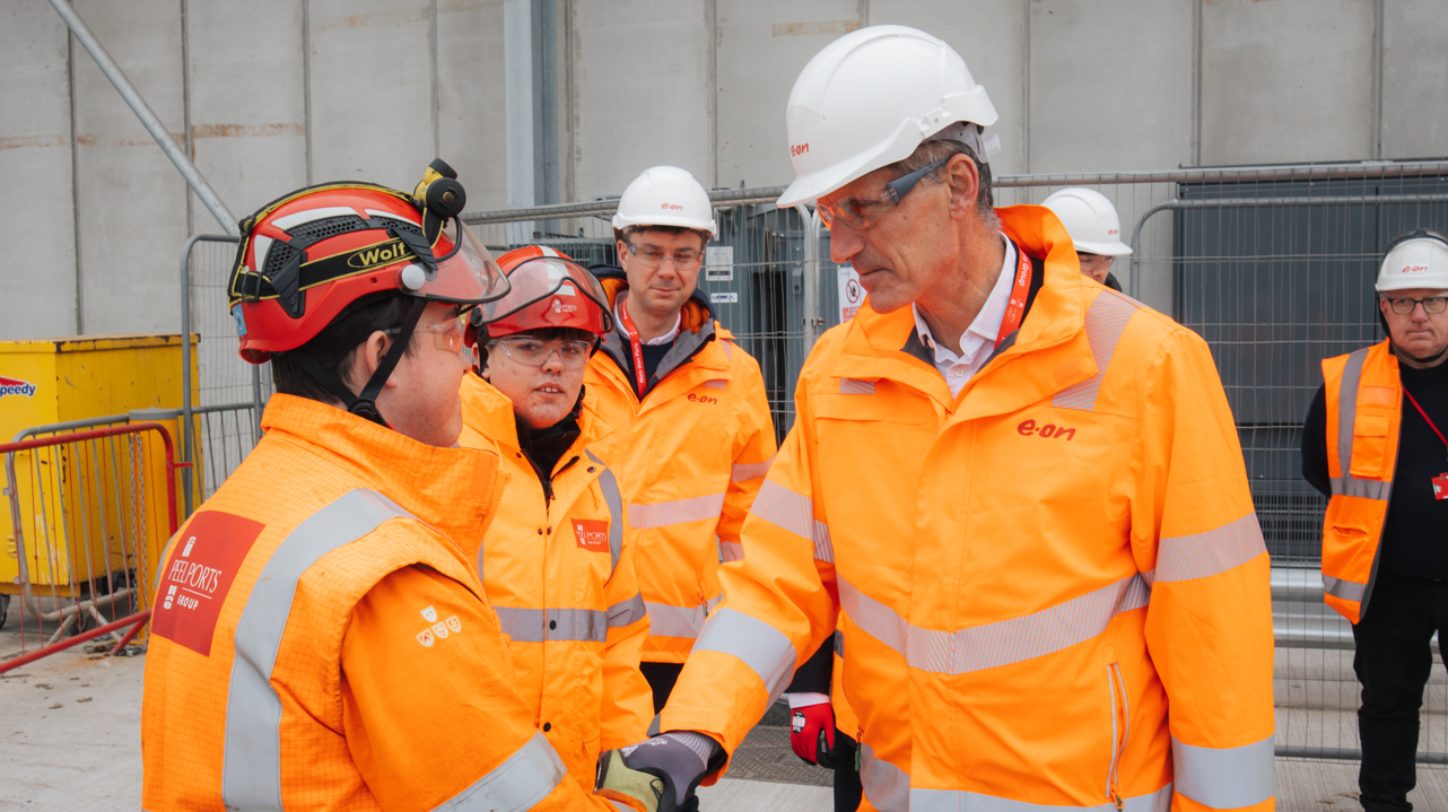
983, 330
666, 338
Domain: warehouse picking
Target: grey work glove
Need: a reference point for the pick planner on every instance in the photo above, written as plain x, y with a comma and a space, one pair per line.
661, 773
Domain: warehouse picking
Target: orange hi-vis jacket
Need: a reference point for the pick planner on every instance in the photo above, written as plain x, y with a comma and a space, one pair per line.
1054, 590
690, 458
323, 642
560, 575
1364, 398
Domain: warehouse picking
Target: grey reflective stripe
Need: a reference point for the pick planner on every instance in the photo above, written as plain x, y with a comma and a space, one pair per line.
1199, 555
545, 625
747, 471
839, 643
609, 484
1106, 318
627, 613
1361, 488
1226, 778
1003, 642
850, 386
941, 800
251, 766
678, 511
1347, 484
516, 785
731, 551
675, 621
793, 512
1346, 590
717, 384
886, 786
762, 647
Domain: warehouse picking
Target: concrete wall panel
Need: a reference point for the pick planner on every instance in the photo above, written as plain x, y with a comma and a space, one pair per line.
248, 108
642, 73
990, 36
1287, 80
371, 78
1415, 79
763, 45
37, 288
131, 202
470, 89
1093, 108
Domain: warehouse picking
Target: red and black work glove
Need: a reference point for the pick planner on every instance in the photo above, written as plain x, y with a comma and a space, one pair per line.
812, 734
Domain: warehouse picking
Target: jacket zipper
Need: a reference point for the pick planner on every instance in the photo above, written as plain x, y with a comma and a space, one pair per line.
1120, 729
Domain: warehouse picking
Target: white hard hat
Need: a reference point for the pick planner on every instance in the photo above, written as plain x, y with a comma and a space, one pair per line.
871, 97
1090, 219
1419, 260
666, 196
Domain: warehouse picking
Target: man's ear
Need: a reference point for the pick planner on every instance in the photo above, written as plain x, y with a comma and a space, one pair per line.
962, 180
365, 360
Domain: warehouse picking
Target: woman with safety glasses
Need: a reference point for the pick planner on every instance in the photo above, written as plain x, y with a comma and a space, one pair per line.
553, 562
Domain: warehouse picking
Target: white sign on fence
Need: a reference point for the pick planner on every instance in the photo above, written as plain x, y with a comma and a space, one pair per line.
852, 293
729, 297
719, 263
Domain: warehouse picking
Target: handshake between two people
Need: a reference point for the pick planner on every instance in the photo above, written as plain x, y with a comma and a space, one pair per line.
659, 774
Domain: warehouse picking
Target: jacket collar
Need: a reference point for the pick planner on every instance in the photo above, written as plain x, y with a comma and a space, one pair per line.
453, 489
885, 345
489, 413
698, 328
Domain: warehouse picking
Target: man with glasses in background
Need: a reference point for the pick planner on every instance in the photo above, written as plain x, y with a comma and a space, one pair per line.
1373, 443
696, 436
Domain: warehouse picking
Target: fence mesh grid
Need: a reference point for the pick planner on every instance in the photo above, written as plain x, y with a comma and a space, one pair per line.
1273, 267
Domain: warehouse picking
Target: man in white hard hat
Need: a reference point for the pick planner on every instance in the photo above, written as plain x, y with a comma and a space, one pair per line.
1373, 443
695, 433
1020, 495
1095, 230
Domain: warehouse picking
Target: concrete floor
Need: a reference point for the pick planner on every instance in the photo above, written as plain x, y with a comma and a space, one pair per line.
70, 739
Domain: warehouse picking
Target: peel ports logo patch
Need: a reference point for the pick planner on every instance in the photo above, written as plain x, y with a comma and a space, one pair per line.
15, 386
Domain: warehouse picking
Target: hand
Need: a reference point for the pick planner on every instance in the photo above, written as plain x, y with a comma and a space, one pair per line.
660, 773
812, 734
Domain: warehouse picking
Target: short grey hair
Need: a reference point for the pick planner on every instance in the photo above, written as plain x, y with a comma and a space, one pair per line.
931, 151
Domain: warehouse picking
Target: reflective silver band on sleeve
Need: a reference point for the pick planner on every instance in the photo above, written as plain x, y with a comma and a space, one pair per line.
945, 800
675, 621
1226, 778
1346, 590
1200, 555
762, 647
608, 483
747, 471
544, 625
886, 786
677, 511
517, 784
251, 765
627, 613
794, 513
839, 642
731, 551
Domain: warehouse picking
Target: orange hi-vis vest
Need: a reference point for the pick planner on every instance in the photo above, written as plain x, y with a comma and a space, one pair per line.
690, 458
322, 642
1364, 398
560, 575
1053, 587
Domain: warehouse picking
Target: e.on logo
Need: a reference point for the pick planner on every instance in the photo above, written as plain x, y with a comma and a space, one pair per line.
1415, 269
798, 149
671, 206
1029, 428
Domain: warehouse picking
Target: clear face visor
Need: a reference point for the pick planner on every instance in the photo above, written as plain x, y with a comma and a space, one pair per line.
538, 278
466, 275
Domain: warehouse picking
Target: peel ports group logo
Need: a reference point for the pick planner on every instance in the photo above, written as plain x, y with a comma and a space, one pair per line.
15, 386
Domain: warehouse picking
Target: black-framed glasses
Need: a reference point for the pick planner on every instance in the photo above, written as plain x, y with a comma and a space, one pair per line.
653, 256
533, 352
1404, 306
860, 212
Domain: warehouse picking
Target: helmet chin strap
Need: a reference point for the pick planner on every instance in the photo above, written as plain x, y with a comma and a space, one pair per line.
364, 404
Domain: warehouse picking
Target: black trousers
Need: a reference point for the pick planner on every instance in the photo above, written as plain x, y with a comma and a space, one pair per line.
848, 790
661, 678
1392, 662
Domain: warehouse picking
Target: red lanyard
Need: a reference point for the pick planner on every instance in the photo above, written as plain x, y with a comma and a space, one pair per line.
1425, 416
637, 346
1016, 308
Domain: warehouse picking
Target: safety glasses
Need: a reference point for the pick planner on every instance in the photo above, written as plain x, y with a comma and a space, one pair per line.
651, 256
532, 352
862, 212
446, 336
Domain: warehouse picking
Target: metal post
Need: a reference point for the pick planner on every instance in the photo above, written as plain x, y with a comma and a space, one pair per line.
257, 404
187, 405
811, 275
148, 118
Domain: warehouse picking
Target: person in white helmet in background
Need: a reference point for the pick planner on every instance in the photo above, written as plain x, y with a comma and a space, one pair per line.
1020, 495
1373, 443
689, 406
1095, 230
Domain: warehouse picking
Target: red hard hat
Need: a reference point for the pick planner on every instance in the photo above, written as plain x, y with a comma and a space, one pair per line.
304, 258
546, 289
